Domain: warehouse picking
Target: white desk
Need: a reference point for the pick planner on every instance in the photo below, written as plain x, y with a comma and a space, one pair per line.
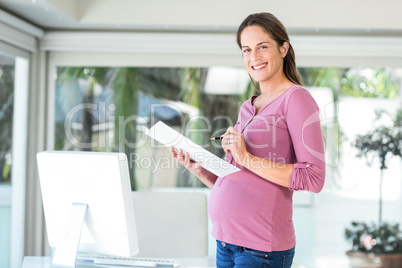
46, 262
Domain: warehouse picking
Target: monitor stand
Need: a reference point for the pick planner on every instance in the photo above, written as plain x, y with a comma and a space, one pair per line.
66, 250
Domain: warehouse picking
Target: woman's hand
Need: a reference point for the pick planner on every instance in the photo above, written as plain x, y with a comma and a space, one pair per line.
233, 142
184, 159
204, 175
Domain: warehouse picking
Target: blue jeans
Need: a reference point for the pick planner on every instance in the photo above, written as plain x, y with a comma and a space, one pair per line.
229, 256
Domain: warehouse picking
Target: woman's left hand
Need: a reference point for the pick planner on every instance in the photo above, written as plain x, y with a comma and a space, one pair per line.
233, 142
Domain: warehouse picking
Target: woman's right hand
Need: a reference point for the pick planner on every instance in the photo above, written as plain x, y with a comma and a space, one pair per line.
184, 159
204, 175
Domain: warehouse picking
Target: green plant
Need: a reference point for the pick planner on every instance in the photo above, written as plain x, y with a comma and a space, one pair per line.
384, 238
381, 143
369, 82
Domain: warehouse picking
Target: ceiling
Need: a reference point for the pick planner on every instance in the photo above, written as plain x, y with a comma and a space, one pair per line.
362, 17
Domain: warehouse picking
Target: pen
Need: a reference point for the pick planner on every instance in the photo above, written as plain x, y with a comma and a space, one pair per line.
216, 138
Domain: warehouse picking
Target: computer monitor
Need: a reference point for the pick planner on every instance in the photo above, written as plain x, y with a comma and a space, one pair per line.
87, 204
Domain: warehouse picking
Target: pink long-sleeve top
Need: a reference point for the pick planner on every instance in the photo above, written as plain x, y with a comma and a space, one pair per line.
250, 211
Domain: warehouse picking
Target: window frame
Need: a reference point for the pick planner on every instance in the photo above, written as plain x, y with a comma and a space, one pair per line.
16, 190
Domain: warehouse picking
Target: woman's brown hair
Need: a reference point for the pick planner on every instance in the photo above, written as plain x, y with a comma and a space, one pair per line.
277, 31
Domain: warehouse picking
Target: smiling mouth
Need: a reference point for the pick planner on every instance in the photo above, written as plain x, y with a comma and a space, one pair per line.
257, 67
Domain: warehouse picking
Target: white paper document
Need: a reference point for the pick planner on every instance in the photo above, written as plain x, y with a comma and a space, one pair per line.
170, 137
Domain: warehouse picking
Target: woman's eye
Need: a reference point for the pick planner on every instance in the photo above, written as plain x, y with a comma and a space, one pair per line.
263, 47
246, 50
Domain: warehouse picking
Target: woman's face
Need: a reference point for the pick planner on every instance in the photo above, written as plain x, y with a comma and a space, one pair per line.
262, 56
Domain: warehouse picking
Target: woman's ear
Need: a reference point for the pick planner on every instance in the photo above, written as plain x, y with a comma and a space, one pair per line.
284, 49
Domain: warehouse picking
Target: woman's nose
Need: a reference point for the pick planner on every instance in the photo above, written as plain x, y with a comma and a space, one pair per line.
254, 55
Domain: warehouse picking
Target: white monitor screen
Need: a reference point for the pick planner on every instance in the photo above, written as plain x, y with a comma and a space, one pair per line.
100, 180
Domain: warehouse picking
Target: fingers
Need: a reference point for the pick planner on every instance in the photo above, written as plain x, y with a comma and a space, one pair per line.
226, 143
189, 163
231, 130
178, 155
228, 139
173, 152
184, 158
232, 140
230, 135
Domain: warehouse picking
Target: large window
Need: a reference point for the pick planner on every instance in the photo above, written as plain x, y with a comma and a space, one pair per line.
107, 109
351, 191
13, 133
359, 96
6, 116
7, 69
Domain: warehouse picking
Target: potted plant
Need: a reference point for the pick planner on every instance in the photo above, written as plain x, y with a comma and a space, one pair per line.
377, 245
374, 245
